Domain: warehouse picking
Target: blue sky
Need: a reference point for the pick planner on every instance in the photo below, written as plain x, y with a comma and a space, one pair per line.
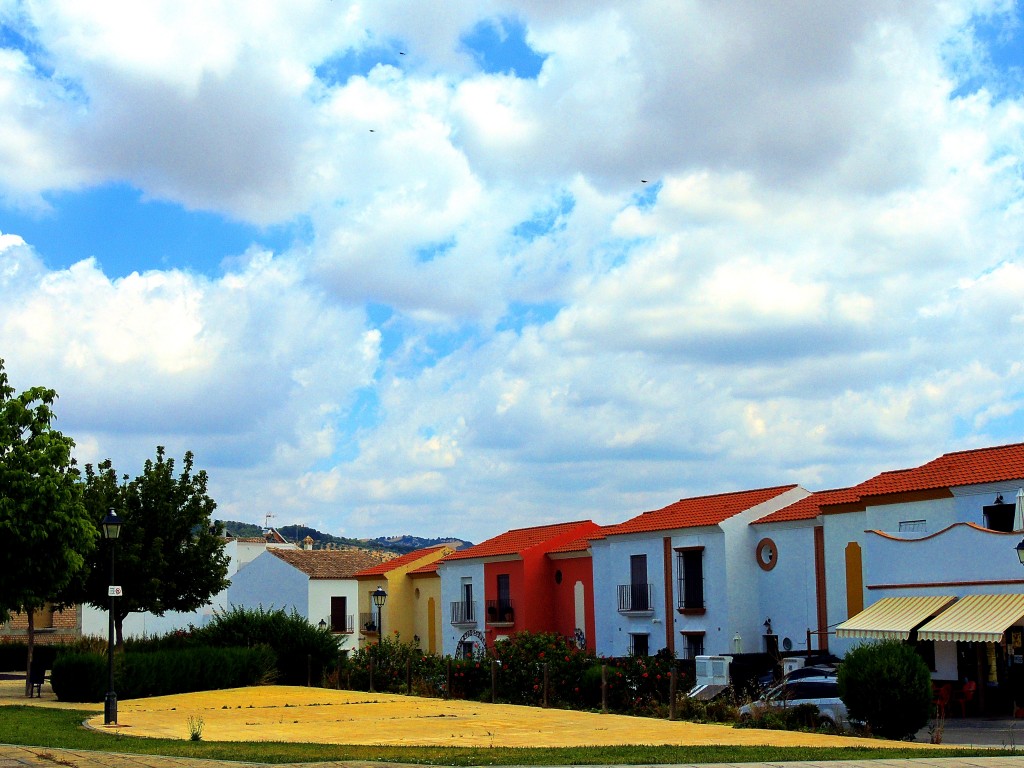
387, 271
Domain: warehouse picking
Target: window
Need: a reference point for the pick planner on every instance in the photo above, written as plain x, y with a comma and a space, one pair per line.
464, 610
690, 575
913, 525
639, 645
339, 615
504, 593
640, 597
693, 645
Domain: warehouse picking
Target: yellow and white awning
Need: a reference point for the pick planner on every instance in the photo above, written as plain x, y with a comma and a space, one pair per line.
893, 617
975, 619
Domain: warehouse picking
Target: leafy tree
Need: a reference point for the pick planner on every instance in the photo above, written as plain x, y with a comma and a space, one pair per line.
170, 554
888, 686
45, 528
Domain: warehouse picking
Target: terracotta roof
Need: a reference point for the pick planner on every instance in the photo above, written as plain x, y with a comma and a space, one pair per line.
809, 507
409, 557
430, 569
581, 544
698, 511
980, 465
327, 563
520, 539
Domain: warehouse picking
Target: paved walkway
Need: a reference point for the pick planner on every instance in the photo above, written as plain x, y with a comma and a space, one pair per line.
19, 757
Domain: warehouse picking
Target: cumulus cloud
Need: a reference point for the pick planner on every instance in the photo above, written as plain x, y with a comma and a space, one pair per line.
707, 247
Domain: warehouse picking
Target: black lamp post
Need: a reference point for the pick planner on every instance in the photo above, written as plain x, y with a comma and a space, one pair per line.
111, 530
379, 598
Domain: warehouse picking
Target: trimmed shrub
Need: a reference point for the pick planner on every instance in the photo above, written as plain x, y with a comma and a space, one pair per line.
303, 651
159, 673
14, 655
888, 686
79, 676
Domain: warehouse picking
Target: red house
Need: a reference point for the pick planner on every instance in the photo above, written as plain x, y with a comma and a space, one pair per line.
537, 579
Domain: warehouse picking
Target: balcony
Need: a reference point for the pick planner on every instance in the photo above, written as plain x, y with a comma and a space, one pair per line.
368, 623
463, 614
500, 613
342, 624
636, 598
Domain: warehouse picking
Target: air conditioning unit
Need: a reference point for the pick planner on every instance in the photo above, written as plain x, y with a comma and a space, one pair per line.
792, 664
712, 670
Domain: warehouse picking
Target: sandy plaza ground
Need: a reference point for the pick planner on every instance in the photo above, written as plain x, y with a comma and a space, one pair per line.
289, 713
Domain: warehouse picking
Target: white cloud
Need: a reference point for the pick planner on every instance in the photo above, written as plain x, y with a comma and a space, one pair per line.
821, 278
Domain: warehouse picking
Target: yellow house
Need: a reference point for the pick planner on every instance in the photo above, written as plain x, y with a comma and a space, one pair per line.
413, 598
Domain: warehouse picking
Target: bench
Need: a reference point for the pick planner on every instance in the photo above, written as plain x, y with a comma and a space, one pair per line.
36, 678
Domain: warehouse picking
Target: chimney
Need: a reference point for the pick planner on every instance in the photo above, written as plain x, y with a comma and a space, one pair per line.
307, 543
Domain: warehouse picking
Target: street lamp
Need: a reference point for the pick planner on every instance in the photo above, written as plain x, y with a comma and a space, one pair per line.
379, 598
1020, 551
111, 530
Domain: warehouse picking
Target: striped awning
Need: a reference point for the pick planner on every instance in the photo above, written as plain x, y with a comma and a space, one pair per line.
893, 617
975, 619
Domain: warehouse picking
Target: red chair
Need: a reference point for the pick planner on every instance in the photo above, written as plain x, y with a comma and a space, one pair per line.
942, 697
965, 696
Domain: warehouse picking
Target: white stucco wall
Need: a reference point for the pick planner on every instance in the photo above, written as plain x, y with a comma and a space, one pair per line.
742, 577
95, 621
611, 563
452, 575
787, 592
269, 582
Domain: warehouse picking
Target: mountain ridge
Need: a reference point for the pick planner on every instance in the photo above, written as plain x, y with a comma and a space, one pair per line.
400, 544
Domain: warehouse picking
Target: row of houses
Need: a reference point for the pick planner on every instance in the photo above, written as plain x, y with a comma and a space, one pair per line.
926, 554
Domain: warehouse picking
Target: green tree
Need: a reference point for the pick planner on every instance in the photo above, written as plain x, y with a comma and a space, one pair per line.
170, 554
44, 525
888, 686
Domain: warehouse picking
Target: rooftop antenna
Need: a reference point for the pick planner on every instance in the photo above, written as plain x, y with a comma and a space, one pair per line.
266, 519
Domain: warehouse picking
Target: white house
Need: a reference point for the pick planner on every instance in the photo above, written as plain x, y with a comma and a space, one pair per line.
682, 577
240, 552
791, 581
317, 584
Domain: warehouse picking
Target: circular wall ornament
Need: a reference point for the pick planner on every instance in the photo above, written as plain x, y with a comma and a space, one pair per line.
767, 554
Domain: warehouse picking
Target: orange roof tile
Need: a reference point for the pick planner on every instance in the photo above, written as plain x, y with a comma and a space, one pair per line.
980, 465
698, 511
326, 563
809, 507
430, 569
409, 557
582, 544
518, 540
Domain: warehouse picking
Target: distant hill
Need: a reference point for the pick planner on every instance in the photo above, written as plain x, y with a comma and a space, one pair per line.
297, 533
410, 543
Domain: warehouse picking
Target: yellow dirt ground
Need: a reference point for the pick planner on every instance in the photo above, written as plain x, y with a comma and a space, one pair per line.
281, 713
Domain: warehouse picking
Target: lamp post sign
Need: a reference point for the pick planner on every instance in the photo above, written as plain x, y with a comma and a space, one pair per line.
111, 531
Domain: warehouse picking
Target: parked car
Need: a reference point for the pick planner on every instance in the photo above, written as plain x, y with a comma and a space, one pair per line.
821, 690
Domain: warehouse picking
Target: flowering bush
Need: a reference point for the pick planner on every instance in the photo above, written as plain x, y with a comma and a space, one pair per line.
521, 677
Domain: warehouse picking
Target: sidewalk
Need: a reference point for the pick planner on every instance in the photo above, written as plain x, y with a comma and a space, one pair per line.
20, 757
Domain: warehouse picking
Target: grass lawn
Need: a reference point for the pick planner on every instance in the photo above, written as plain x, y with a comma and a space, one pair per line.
62, 728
